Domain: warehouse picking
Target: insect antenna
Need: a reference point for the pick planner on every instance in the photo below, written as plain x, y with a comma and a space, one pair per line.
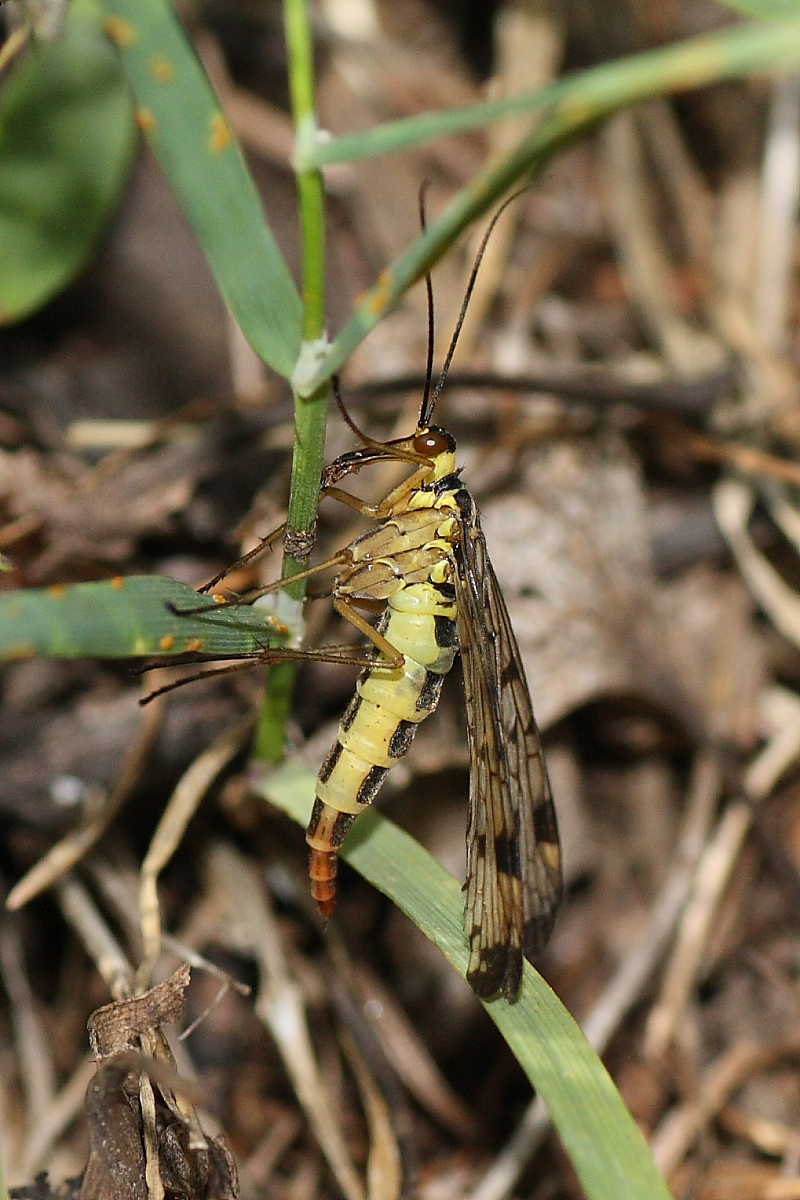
426, 408
429, 402
383, 448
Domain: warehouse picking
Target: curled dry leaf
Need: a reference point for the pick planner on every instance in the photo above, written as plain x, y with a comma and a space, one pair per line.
116, 1026
116, 1166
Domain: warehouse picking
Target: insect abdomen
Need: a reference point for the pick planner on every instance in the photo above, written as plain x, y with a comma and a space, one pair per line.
379, 724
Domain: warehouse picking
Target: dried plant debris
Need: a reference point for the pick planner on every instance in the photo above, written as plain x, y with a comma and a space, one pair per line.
189, 1163
117, 1026
666, 693
96, 517
117, 1167
583, 595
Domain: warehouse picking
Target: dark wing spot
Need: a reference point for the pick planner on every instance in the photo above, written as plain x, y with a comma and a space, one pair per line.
499, 970
506, 852
544, 825
537, 932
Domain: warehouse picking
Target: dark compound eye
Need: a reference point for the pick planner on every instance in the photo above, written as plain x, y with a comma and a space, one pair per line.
433, 442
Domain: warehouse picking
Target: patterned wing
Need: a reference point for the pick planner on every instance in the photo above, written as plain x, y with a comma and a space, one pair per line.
513, 882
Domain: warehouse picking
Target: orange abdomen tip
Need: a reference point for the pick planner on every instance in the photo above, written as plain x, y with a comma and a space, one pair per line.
322, 866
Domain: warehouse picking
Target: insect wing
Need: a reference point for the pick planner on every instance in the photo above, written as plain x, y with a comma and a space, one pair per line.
513, 883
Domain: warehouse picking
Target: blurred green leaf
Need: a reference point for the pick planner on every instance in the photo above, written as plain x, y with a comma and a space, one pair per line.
123, 618
66, 142
183, 121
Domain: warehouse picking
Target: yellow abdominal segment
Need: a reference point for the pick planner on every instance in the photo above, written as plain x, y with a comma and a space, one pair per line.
382, 718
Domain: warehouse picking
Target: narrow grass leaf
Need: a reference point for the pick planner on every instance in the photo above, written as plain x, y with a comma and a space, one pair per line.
182, 119
604, 1144
598, 91
573, 107
763, 8
123, 618
66, 141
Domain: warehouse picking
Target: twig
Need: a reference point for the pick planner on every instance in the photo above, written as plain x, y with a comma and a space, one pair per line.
184, 802
733, 503
33, 1047
682, 1127
70, 850
81, 912
780, 190
280, 1006
714, 871
51, 1122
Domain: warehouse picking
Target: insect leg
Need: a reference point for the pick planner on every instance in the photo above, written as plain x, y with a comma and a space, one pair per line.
393, 657
341, 558
341, 654
386, 506
264, 544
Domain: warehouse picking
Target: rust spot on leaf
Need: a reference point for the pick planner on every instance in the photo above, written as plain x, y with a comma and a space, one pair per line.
56, 590
379, 296
277, 625
221, 135
145, 119
193, 645
219, 598
162, 69
121, 32
167, 642
118, 583
21, 650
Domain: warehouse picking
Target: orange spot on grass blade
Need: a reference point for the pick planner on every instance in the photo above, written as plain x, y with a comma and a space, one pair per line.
56, 590
167, 642
221, 135
20, 651
121, 32
118, 583
162, 70
145, 119
379, 296
193, 645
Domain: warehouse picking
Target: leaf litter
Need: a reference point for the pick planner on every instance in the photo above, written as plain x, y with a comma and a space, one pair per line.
666, 688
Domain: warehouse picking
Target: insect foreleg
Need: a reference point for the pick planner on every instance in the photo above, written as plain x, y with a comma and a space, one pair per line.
390, 502
341, 654
264, 544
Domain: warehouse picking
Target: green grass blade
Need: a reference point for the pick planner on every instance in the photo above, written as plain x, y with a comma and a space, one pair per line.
763, 8
596, 92
124, 618
581, 103
185, 126
604, 1144
66, 143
